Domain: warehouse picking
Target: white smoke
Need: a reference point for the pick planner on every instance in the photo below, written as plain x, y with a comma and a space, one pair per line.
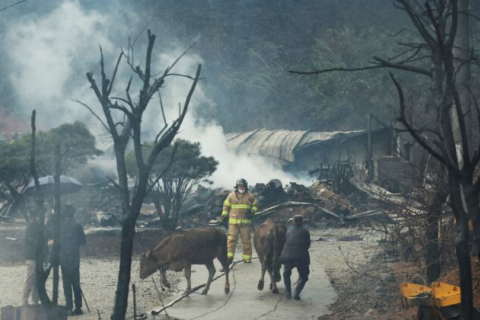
254, 169
46, 54
50, 55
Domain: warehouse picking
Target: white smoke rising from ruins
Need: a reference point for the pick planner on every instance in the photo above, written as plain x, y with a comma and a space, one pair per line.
231, 166
51, 54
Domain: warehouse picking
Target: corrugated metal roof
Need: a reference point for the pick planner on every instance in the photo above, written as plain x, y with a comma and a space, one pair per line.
277, 144
281, 144
318, 137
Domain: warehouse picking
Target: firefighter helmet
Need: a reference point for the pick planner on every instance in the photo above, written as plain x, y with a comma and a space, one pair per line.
241, 182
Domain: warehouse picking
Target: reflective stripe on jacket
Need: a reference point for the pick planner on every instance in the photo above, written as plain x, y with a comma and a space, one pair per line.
238, 205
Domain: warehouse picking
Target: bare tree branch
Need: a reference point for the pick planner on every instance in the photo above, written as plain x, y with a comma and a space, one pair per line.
400, 66
12, 5
334, 69
160, 176
407, 125
93, 112
109, 90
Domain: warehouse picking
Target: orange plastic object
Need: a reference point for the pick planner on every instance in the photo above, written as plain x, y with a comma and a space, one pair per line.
415, 295
445, 294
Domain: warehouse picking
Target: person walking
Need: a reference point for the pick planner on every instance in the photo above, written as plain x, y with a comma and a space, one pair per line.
239, 208
72, 237
30, 285
295, 255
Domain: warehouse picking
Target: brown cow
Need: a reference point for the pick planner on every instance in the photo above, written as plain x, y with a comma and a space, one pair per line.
182, 249
269, 241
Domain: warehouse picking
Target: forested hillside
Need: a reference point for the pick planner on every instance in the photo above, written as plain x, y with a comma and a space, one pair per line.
249, 47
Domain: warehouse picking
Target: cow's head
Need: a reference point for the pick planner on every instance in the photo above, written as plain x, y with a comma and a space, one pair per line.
148, 264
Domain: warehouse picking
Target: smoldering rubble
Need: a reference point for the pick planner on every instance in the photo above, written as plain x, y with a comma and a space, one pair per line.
99, 205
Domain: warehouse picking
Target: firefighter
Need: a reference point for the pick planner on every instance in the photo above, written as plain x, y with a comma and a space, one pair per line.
295, 255
239, 207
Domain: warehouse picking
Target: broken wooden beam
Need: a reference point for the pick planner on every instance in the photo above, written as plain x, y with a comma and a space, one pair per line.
163, 308
366, 214
299, 204
326, 211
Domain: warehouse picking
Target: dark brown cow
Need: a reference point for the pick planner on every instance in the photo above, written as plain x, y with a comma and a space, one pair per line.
269, 241
182, 249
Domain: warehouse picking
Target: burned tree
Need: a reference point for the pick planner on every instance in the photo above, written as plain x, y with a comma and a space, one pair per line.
438, 23
130, 113
443, 60
59, 141
172, 182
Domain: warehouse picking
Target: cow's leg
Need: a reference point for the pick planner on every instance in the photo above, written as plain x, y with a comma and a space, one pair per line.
224, 263
211, 274
261, 282
163, 278
188, 276
273, 283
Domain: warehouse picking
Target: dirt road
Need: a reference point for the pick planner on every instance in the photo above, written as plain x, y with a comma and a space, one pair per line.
99, 273
246, 302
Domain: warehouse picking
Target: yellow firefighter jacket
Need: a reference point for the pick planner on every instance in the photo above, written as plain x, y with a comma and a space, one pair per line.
237, 205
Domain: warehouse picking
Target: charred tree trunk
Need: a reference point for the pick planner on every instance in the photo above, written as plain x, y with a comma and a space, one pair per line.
123, 282
463, 55
127, 236
126, 249
121, 133
461, 246
463, 257
40, 225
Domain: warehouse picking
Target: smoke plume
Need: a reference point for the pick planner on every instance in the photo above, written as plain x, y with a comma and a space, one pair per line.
49, 54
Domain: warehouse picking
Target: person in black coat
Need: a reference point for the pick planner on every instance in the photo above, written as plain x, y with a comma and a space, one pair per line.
72, 237
295, 255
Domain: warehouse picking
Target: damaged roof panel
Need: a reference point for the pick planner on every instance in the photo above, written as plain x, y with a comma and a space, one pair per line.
236, 139
319, 137
277, 144
282, 144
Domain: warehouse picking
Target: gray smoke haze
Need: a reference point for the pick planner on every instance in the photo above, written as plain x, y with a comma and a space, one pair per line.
49, 54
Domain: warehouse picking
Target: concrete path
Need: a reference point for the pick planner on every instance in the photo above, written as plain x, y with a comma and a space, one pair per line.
246, 302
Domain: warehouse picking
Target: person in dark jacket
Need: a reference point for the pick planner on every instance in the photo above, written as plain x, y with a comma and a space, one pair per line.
30, 286
295, 255
72, 237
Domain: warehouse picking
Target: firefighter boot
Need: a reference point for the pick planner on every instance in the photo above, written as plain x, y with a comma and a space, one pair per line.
298, 289
288, 286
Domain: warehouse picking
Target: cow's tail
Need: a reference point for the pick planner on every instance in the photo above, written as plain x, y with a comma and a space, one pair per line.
277, 248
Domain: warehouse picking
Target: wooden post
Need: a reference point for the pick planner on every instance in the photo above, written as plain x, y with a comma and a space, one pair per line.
134, 302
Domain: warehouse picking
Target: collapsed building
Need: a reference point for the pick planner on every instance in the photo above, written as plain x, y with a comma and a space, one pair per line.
393, 155
332, 157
